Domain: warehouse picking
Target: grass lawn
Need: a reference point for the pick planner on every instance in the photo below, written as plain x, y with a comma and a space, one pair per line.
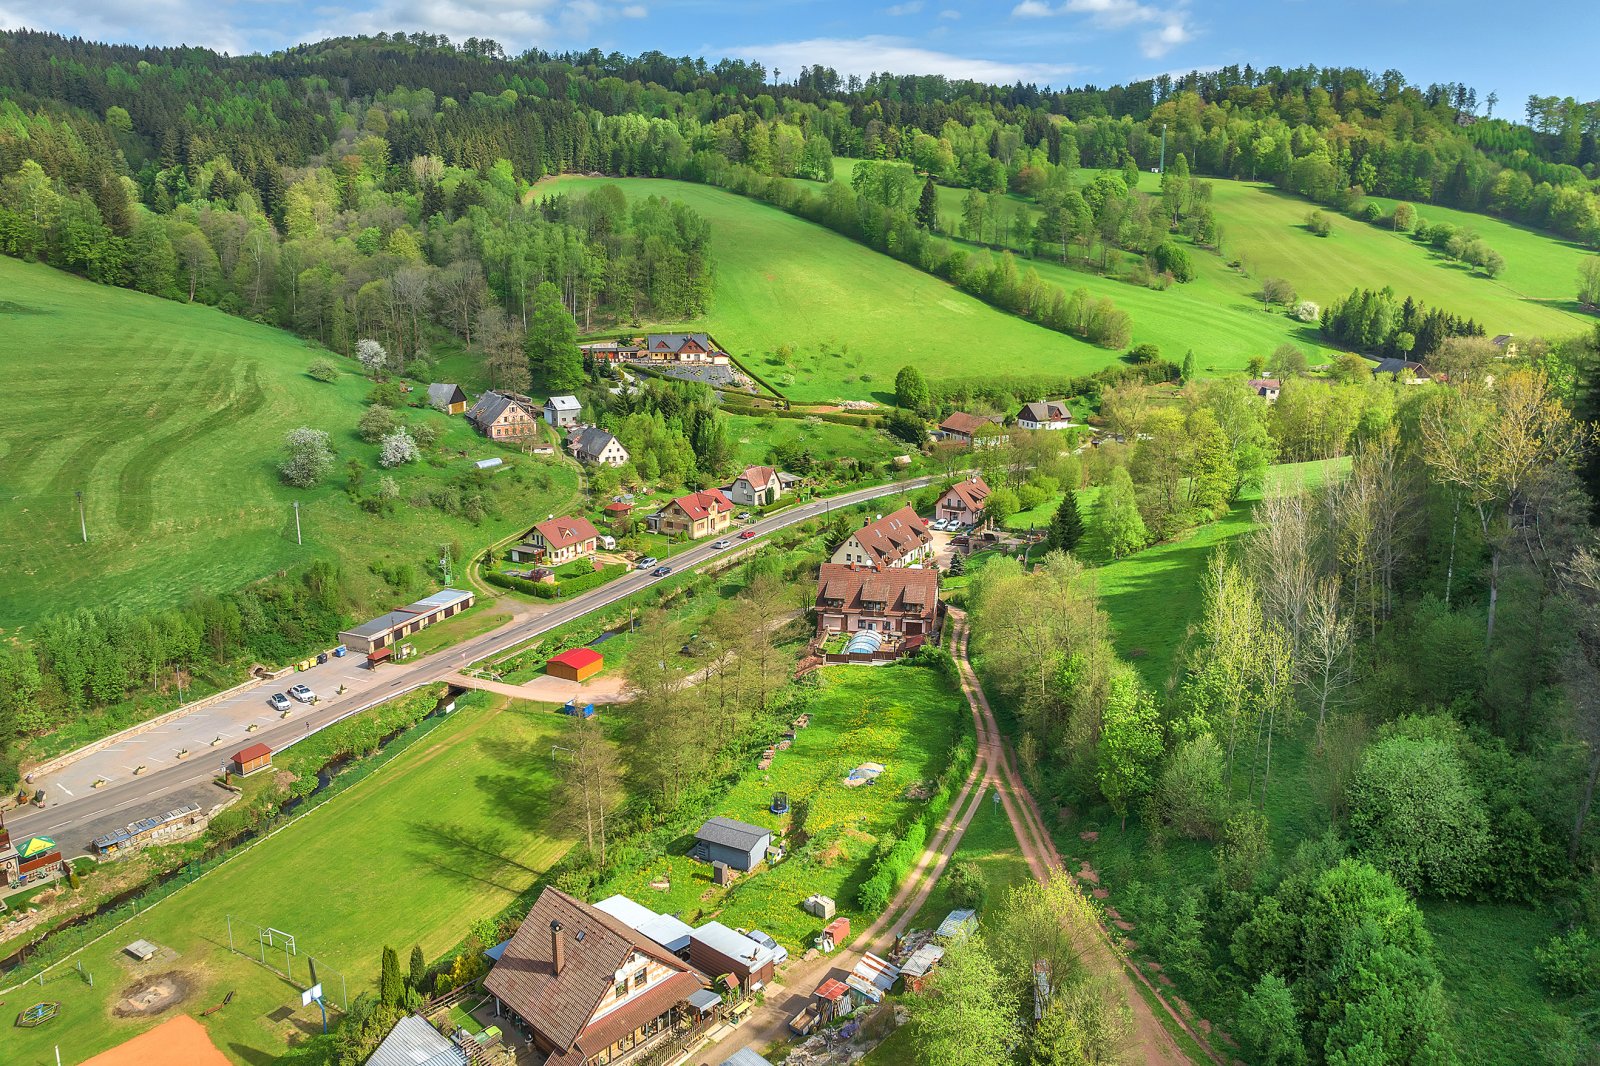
474, 621
170, 419
853, 316
903, 717
991, 843
449, 833
754, 437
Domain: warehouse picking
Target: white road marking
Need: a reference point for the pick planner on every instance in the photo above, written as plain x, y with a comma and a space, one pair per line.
65, 789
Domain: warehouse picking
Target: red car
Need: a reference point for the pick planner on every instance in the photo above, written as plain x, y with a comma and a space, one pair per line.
747, 534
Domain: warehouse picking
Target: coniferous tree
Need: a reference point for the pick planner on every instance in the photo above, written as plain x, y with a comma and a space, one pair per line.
1066, 526
391, 987
419, 969
928, 206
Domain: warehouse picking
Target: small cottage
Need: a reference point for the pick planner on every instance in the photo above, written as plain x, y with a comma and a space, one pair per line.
738, 844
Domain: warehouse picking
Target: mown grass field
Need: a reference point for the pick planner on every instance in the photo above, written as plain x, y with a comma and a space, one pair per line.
170, 418
903, 717
853, 317
450, 832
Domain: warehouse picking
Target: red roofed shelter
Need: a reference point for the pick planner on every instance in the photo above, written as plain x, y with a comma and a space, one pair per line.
247, 761
575, 664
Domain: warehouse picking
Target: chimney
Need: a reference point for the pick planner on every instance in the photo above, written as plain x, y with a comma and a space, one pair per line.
558, 945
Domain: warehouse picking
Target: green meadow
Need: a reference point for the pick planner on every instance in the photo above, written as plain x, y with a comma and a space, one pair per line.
170, 419
451, 831
851, 316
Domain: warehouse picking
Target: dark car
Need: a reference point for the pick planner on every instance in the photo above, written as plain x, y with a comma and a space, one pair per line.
661, 571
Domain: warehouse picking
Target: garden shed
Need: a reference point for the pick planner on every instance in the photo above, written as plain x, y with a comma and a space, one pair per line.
575, 664
739, 844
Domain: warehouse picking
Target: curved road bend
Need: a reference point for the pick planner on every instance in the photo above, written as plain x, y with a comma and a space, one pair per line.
76, 812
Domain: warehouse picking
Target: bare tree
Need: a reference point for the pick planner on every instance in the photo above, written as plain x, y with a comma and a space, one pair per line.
1324, 664
1283, 559
591, 782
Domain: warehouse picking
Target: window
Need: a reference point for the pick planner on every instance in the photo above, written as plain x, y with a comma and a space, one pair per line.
639, 980
621, 989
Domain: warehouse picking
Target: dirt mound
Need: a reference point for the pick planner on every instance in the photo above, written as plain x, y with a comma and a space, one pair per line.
153, 995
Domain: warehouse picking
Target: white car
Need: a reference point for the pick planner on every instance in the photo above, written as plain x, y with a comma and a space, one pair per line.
744, 516
721, 544
940, 526
646, 563
780, 953
303, 694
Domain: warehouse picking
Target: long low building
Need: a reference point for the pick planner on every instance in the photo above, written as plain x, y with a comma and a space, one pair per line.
377, 638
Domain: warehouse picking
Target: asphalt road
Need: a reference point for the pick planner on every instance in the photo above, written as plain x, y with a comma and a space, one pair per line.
76, 819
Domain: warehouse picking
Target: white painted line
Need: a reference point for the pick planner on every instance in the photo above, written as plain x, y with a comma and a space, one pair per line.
65, 789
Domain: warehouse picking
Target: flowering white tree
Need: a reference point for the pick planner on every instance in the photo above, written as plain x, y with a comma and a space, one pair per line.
372, 355
310, 455
398, 448
1306, 311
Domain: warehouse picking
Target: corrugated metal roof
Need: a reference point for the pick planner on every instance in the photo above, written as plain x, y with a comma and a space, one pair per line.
413, 1042
381, 624
731, 833
443, 598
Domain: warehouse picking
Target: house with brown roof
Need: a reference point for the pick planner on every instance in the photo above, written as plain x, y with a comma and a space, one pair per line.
963, 501
897, 603
756, 486
684, 348
1267, 388
963, 428
557, 541
587, 989
897, 539
1045, 414
699, 514
504, 416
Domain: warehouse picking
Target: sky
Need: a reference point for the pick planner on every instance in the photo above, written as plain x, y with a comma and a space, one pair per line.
1048, 42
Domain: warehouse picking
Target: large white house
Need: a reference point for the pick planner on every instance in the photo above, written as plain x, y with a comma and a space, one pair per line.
1045, 414
595, 447
756, 486
562, 411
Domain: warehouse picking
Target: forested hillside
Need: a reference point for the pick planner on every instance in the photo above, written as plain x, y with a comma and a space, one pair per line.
365, 185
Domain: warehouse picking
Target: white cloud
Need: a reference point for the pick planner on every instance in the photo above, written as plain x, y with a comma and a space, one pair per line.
635, 11
910, 7
876, 54
949, 15
1169, 25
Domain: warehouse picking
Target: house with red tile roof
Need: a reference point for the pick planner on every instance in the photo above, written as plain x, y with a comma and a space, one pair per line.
963, 501
587, 988
699, 514
895, 603
982, 430
897, 539
557, 541
756, 486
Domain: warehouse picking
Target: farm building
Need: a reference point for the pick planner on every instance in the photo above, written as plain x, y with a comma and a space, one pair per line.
666, 930
447, 398
584, 988
738, 844
382, 633
247, 761
557, 541
504, 416
897, 539
575, 664
963, 501
562, 411
716, 949
1266, 388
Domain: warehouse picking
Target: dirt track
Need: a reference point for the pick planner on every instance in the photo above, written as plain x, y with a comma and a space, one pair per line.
1155, 1042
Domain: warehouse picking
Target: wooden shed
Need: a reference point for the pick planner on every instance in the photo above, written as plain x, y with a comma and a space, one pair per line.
247, 761
575, 664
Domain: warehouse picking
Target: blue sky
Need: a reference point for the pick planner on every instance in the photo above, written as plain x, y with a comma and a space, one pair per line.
1058, 42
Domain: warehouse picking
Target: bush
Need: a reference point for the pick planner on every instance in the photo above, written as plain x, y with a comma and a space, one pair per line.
1171, 258
1567, 963
570, 587
398, 448
1319, 223
323, 370
376, 423
1306, 311
968, 888
1190, 796
309, 457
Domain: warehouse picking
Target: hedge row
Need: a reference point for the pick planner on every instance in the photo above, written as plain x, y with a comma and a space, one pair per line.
896, 862
569, 587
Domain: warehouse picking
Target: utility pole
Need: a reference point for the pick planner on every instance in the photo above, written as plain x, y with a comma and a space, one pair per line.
297, 539
444, 562
83, 523
1163, 148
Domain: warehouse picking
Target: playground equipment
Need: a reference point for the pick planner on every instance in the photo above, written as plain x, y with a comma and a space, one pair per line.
38, 1014
780, 803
